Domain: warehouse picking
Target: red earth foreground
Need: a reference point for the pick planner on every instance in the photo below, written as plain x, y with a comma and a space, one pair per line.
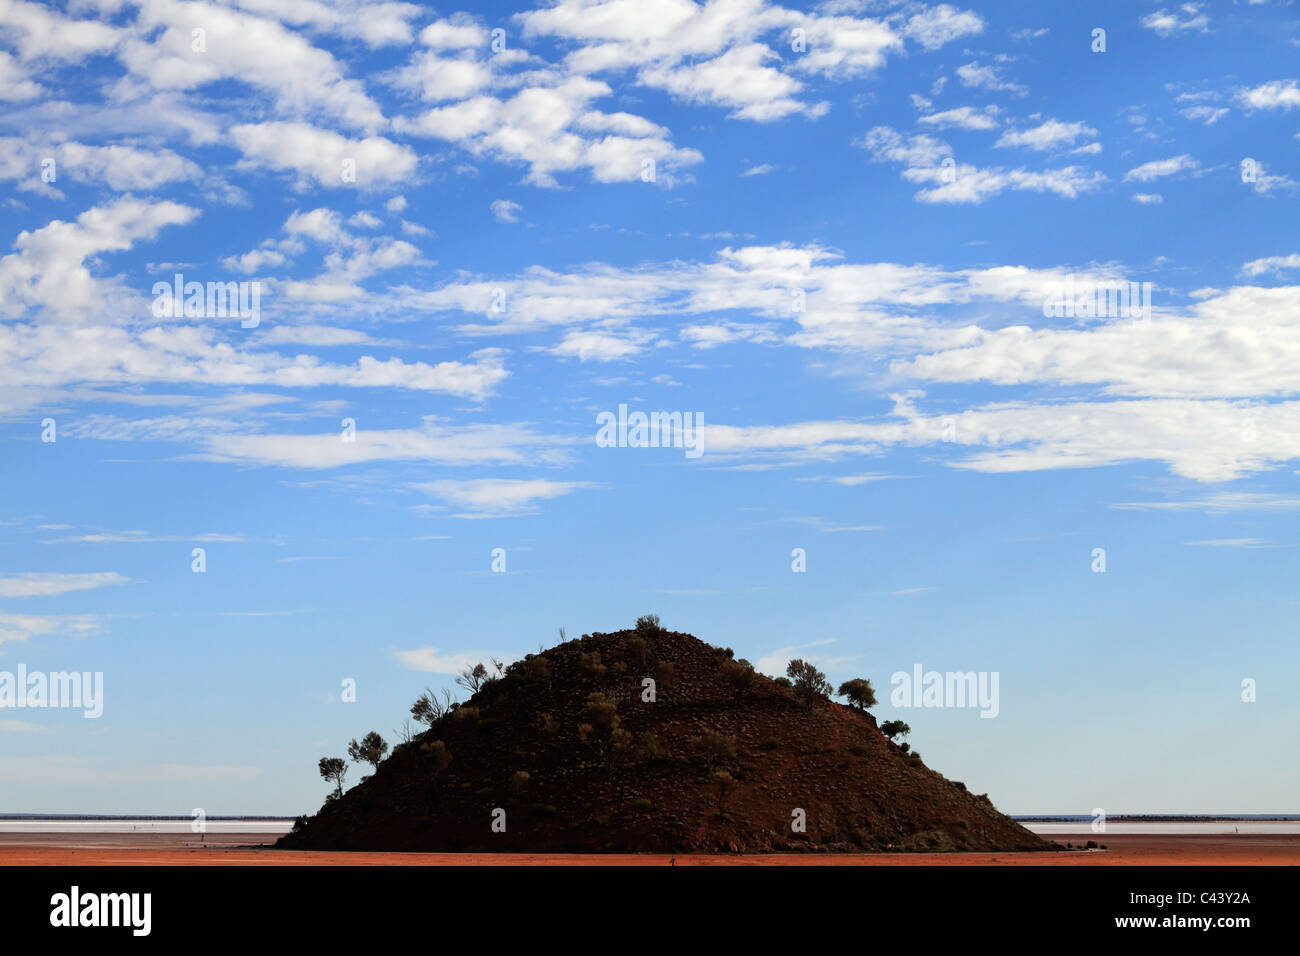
236, 849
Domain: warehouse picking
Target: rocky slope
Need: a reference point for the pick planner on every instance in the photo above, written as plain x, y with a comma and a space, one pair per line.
565, 753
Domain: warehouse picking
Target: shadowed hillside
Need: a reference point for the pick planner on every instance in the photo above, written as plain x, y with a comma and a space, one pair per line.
565, 753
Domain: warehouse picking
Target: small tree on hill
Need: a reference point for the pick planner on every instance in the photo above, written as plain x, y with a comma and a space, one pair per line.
859, 693
371, 750
723, 783
715, 747
429, 709
895, 728
648, 624
738, 675
809, 683
333, 770
438, 754
405, 733
475, 678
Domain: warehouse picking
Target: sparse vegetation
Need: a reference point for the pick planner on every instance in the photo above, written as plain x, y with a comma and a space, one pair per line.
723, 783
721, 748
649, 748
334, 769
715, 747
636, 649
859, 693
591, 665
475, 678
894, 729
438, 754
648, 624
405, 733
371, 750
666, 675
429, 708
810, 684
739, 676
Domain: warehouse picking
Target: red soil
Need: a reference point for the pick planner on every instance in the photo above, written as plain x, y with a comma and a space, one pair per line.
160, 849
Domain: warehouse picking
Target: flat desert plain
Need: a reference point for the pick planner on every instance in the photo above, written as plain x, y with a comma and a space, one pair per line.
254, 849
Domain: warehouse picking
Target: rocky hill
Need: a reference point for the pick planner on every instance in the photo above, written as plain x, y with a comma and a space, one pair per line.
568, 752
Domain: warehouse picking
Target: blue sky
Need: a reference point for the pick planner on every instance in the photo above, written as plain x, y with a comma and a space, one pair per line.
829, 230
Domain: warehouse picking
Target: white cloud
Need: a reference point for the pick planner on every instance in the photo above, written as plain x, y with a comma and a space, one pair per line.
436, 662
553, 129
1186, 18
329, 158
506, 210
1209, 115
434, 442
303, 80
929, 163
963, 117
1275, 95
23, 627
319, 336
743, 81
121, 168
1257, 267
594, 345
49, 584
16, 86
498, 497
376, 24
456, 33
1221, 502
1159, 168
1047, 135
48, 270
986, 78
942, 24
739, 56
41, 33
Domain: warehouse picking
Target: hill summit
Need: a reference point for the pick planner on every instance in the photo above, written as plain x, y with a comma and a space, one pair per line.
649, 740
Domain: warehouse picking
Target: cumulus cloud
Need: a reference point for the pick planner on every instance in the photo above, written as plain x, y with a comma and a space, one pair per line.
330, 159
1184, 19
1274, 95
554, 129
303, 80
929, 163
984, 77
506, 210
1051, 134
48, 271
